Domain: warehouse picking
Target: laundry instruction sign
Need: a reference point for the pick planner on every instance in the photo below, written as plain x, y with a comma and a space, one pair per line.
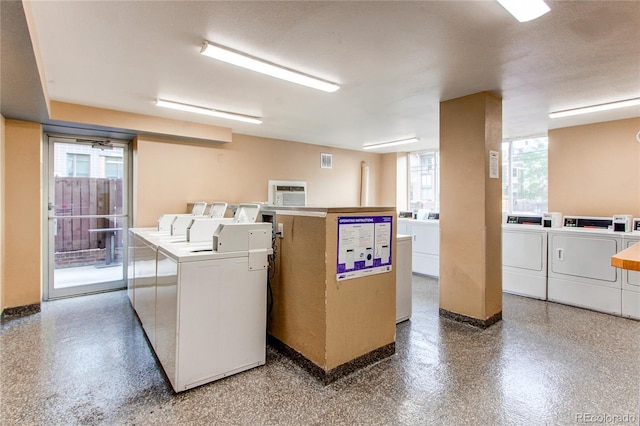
364, 246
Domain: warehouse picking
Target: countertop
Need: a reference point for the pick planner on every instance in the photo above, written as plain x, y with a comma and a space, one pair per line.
419, 221
628, 258
352, 209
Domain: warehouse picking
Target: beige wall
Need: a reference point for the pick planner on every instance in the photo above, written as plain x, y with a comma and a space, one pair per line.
170, 174
402, 175
388, 180
602, 160
167, 175
22, 269
594, 170
1, 212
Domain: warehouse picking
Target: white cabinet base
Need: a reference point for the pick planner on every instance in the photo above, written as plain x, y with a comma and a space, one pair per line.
211, 319
524, 284
630, 304
425, 245
426, 264
595, 297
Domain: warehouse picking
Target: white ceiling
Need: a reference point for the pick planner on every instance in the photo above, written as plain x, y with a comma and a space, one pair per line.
396, 61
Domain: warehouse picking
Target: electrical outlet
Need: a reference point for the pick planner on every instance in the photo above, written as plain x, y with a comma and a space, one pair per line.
280, 230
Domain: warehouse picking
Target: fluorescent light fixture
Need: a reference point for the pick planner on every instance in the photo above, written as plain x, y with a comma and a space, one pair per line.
525, 10
595, 108
208, 111
392, 143
258, 65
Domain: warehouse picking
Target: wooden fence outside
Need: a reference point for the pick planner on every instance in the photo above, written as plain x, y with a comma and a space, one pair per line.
76, 196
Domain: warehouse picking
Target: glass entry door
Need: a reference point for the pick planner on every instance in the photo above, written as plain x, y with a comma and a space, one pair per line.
87, 215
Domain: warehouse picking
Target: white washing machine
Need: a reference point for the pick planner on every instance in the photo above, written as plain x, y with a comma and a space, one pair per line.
141, 285
130, 268
182, 223
631, 279
142, 288
579, 264
524, 256
165, 221
145, 270
212, 305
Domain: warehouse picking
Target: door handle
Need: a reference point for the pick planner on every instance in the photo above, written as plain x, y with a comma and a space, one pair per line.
560, 254
51, 209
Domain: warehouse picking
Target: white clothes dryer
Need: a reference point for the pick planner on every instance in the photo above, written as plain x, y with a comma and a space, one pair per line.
212, 305
524, 256
579, 264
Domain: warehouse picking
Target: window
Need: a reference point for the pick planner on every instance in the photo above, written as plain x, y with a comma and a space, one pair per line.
524, 171
524, 178
113, 167
78, 165
423, 181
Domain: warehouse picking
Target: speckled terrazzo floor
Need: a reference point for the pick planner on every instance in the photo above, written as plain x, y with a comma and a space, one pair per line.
85, 361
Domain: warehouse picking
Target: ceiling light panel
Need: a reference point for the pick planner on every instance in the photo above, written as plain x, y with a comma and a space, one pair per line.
595, 108
525, 10
208, 111
245, 61
391, 143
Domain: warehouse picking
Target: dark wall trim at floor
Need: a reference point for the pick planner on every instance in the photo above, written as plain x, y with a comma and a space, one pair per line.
20, 311
470, 320
327, 377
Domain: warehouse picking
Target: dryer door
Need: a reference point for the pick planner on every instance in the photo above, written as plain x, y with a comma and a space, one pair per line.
523, 250
588, 256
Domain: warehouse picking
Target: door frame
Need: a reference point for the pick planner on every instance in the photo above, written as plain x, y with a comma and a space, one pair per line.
48, 246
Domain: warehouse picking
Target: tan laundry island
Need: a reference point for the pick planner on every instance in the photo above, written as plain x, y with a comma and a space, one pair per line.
628, 258
334, 288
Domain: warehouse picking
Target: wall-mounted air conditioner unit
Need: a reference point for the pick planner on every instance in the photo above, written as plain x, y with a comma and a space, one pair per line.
287, 193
